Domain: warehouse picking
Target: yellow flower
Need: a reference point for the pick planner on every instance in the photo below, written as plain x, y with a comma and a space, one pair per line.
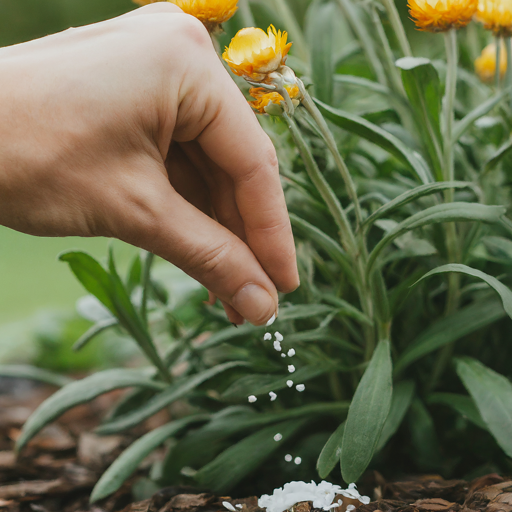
485, 65
211, 12
265, 102
496, 15
254, 54
441, 15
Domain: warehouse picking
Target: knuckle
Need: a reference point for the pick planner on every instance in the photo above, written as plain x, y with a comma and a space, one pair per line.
267, 163
207, 262
194, 31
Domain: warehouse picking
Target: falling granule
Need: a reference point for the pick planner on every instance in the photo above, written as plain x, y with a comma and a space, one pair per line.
279, 336
283, 355
291, 352
289, 383
273, 396
272, 320
300, 387
277, 346
278, 437
291, 368
288, 458
267, 336
252, 399
229, 506
297, 460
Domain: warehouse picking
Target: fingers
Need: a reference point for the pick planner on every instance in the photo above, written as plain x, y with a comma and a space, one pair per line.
232, 138
153, 216
153, 8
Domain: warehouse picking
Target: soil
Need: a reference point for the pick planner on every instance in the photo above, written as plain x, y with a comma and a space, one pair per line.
60, 466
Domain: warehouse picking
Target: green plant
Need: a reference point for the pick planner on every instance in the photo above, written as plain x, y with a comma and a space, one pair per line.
399, 199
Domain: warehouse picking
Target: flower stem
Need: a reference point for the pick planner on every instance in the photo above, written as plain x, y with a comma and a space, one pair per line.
398, 27
497, 71
310, 106
146, 283
246, 13
335, 208
508, 76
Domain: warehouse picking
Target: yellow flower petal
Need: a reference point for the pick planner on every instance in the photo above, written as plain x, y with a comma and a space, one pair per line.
496, 15
254, 54
485, 65
441, 15
263, 98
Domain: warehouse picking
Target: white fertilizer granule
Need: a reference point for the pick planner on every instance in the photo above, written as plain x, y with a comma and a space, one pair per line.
300, 387
279, 336
278, 437
267, 336
291, 352
289, 383
277, 346
287, 458
297, 460
291, 368
229, 506
283, 355
252, 399
322, 495
273, 396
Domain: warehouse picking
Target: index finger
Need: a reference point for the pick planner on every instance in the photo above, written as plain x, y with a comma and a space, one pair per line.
233, 139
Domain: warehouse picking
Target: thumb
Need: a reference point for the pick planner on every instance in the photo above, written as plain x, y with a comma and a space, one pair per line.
159, 220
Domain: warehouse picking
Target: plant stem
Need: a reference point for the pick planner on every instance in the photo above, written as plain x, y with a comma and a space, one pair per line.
300, 46
398, 27
328, 137
364, 38
246, 13
337, 211
508, 76
497, 71
146, 282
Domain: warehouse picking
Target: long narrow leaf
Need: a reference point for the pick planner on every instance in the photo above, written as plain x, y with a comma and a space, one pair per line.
25, 371
79, 392
367, 414
464, 405
331, 453
492, 394
163, 399
504, 292
128, 462
93, 331
449, 212
385, 140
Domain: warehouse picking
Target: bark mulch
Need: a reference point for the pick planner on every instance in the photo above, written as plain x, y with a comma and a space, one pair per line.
61, 465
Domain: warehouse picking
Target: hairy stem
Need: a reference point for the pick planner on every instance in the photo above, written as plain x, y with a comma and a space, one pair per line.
398, 27
326, 133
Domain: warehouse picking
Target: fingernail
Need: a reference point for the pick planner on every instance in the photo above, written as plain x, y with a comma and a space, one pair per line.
254, 303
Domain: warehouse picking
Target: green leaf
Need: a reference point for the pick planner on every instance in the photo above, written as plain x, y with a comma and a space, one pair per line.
423, 88
492, 394
241, 459
478, 112
93, 331
128, 462
320, 29
402, 397
501, 153
225, 424
413, 195
259, 384
80, 392
165, 398
364, 83
331, 452
448, 212
367, 414
109, 289
25, 371
325, 242
450, 329
462, 404
380, 137
504, 292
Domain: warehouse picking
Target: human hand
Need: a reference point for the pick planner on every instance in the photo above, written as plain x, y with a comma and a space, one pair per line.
132, 128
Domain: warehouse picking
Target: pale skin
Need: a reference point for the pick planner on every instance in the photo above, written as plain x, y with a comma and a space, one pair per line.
132, 128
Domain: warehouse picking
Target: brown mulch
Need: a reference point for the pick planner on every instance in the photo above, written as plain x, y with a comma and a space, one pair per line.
60, 466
